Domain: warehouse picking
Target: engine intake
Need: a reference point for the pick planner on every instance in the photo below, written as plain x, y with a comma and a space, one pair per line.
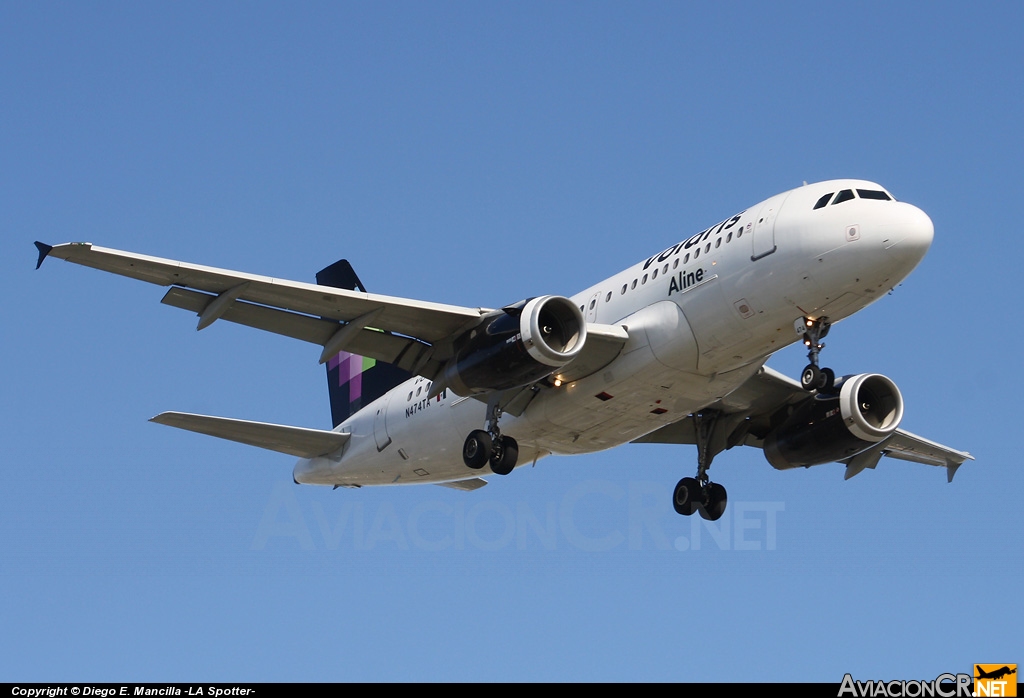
826, 428
524, 343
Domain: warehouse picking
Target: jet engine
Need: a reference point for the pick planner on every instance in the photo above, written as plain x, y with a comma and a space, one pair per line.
522, 344
864, 410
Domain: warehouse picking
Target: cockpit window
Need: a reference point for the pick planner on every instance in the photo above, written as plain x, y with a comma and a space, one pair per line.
844, 195
873, 194
823, 201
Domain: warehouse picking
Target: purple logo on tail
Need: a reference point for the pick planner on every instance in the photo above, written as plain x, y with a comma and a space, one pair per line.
350, 370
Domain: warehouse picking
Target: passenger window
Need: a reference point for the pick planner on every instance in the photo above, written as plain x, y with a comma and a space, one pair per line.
844, 195
665, 270
634, 284
823, 201
686, 259
623, 291
643, 280
728, 238
707, 248
718, 243
608, 297
696, 253
593, 303
675, 263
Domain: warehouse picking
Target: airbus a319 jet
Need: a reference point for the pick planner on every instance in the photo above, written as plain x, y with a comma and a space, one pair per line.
671, 350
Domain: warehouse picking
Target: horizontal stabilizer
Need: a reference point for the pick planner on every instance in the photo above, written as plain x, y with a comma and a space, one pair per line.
295, 441
465, 485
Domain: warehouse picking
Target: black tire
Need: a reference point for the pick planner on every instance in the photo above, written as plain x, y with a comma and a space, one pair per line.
477, 449
827, 380
687, 496
503, 460
713, 509
810, 378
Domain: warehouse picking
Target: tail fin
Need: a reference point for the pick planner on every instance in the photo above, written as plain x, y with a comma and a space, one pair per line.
352, 380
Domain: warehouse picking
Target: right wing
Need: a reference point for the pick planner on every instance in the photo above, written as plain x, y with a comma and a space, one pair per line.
748, 415
903, 445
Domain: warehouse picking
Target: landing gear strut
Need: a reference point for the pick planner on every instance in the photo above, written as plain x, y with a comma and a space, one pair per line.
814, 378
699, 494
488, 445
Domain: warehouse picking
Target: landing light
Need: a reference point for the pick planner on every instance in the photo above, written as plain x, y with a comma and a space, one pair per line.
558, 382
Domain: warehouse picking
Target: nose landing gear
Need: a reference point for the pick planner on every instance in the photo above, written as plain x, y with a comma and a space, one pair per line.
488, 445
813, 378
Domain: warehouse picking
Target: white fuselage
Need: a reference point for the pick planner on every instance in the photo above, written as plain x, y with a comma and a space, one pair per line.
702, 317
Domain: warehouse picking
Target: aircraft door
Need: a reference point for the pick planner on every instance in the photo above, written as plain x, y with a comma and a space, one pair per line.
764, 229
380, 424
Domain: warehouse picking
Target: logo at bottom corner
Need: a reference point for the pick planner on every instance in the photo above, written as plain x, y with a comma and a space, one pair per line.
995, 680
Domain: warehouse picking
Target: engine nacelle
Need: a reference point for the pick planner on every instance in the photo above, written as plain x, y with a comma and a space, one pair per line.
827, 428
524, 343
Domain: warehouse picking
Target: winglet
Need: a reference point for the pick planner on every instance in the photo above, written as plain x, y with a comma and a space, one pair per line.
951, 470
44, 250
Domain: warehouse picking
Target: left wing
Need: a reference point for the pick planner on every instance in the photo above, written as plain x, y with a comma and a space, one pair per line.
416, 336
414, 332
749, 414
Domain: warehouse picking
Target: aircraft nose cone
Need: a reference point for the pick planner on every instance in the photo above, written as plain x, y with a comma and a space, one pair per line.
912, 235
920, 230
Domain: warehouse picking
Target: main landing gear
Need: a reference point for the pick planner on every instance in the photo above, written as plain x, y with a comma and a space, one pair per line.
814, 378
488, 445
699, 494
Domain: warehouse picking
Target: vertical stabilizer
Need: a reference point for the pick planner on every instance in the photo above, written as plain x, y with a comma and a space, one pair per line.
354, 381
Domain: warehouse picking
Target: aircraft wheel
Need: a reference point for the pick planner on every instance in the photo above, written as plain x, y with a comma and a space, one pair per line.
716, 501
477, 449
503, 460
687, 496
827, 380
810, 378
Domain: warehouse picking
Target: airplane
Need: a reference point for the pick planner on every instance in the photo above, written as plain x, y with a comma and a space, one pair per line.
671, 350
995, 674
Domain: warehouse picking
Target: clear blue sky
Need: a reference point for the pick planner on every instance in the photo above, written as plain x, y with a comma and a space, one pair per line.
477, 154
